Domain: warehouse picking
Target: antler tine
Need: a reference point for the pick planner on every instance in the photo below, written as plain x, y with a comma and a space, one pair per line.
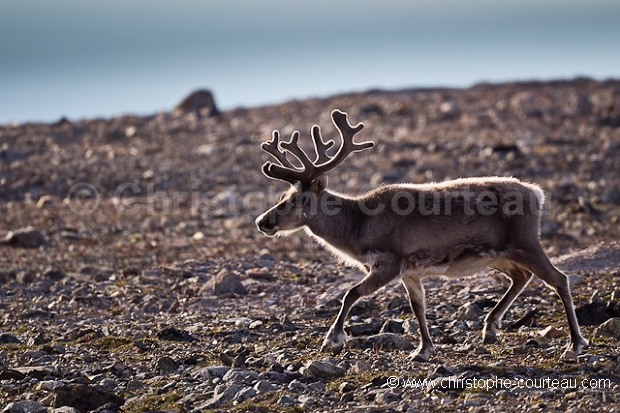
272, 148
293, 147
320, 146
347, 133
286, 171
273, 171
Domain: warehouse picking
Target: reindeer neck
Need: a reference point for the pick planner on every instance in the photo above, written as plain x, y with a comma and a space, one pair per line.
335, 222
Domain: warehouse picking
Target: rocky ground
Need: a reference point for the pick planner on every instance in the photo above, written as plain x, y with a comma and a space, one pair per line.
132, 276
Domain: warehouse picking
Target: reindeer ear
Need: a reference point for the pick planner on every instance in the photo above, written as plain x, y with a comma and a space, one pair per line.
319, 184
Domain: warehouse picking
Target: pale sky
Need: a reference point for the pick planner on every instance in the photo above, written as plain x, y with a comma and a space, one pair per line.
97, 58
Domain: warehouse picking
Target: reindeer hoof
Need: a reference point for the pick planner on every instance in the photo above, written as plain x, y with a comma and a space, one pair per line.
573, 350
489, 332
419, 358
582, 344
489, 339
330, 349
422, 355
334, 342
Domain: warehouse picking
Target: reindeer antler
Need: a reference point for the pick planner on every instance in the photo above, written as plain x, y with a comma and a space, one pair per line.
272, 147
286, 171
320, 147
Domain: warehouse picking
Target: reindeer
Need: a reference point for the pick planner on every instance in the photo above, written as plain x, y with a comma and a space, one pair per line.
413, 231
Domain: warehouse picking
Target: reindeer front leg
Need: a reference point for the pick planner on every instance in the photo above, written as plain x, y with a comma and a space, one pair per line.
415, 289
384, 269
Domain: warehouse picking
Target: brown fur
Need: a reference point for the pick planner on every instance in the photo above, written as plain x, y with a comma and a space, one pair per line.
451, 229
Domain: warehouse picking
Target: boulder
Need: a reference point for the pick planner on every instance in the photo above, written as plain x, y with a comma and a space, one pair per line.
200, 102
25, 238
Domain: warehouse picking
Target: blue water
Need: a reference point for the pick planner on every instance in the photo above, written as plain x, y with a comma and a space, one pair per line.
78, 58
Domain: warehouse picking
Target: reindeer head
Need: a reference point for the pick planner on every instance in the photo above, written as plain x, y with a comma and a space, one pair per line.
300, 203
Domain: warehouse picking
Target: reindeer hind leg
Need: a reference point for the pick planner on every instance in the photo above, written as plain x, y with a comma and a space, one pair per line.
537, 261
415, 289
492, 321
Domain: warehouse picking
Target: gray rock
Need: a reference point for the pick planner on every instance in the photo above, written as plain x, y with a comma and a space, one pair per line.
241, 376
107, 384
244, 394
8, 338
64, 409
174, 334
346, 387
306, 401
6, 275
595, 314
600, 257
266, 261
287, 400
226, 359
98, 273
275, 376
10, 154
296, 386
359, 366
133, 385
384, 341
36, 313
387, 396
551, 332
370, 109
256, 325
200, 102
239, 361
84, 397
458, 325
211, 372
261, 274
468, 312
11, 374
347, 397
224, 282
548, 228
449, 111
324, 369
410, 326
223, 393
610, 328
264, 387
53, 274
372, 326
24, 406
25, 277
25, 238
263, 263
392, 326
267, 257
166, 364
481, 351
317, 387
38, 339
286, 324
